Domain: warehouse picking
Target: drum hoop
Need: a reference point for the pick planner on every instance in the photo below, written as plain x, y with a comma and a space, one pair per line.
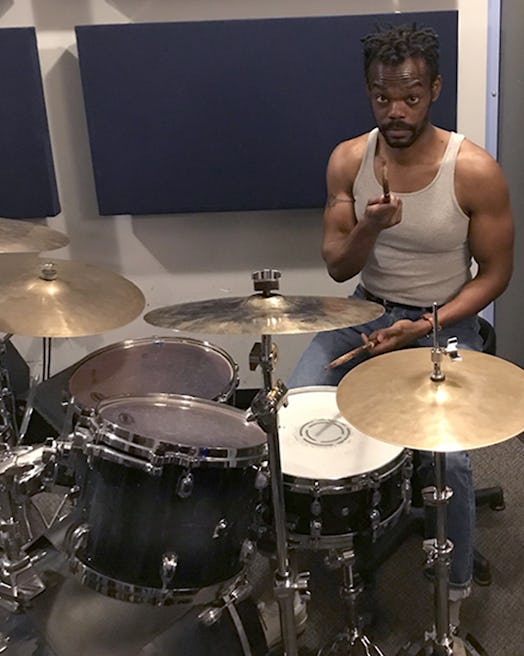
131, 343
342, 540
159, 453
353, 483
133, 593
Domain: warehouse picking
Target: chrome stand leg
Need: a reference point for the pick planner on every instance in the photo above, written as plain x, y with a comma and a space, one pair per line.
352, 641
438, 554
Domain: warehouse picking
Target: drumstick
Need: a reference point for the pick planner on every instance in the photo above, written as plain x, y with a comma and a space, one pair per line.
385, 183
350, 355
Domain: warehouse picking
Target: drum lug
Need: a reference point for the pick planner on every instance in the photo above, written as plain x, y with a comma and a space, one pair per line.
220, 528
262, 477
374, 517
316, 507
315, 528
168, 568
247, 551
406, 488
78, 539
184, 487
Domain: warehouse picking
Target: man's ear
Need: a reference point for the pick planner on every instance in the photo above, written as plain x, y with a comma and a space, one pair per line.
436, 87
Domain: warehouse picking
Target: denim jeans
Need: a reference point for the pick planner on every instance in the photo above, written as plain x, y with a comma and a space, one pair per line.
310, 370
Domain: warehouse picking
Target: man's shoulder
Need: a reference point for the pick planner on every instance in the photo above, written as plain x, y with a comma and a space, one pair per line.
473, 160
351, 151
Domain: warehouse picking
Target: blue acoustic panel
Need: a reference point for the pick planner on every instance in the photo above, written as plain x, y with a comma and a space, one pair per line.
231, 115
27, 175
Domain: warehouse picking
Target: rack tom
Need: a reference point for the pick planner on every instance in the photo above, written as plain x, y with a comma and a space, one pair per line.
167, 497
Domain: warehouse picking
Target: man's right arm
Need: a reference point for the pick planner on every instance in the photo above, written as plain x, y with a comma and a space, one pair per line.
347, 242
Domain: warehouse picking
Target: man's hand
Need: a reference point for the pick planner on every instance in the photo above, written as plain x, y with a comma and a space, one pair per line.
400, 334
381, 214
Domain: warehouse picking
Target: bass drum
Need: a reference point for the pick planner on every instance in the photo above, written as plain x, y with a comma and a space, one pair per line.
338, 483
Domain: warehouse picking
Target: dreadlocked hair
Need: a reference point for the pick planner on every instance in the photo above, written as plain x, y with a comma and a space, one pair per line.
393, 45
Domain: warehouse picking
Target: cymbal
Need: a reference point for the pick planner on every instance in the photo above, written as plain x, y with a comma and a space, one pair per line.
265, 315
392, 398
44, 297
23, 237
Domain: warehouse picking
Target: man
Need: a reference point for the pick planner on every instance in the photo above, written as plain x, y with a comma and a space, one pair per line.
449, 203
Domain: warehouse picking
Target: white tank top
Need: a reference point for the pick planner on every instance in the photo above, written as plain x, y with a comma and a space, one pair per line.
425, 258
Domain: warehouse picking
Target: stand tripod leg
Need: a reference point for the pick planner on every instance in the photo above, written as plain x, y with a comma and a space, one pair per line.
352, 641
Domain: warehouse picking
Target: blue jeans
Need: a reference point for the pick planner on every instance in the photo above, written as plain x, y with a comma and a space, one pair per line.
310, 370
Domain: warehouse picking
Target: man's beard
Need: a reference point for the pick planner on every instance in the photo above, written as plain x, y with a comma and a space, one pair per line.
404, 141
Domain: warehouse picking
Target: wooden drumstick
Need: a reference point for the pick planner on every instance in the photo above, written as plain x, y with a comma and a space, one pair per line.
350, 355
385, 183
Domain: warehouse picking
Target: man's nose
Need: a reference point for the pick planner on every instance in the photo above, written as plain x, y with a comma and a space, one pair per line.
397, 109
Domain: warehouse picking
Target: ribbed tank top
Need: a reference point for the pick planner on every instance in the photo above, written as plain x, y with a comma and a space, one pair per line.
425, 258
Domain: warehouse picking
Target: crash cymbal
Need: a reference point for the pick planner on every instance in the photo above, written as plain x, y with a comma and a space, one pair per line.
23, 237
49, 297
265, 315
392, 398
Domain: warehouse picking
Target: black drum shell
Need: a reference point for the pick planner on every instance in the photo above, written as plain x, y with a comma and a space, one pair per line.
134, 518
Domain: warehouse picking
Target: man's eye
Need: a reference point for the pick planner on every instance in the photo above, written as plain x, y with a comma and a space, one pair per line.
382, 100
413, 100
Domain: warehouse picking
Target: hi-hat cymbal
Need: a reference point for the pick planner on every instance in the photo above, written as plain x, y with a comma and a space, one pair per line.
44, 297
265, 315
392, 398
23, 237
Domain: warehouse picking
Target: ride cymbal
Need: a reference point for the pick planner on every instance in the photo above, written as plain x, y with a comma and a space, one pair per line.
265, 315
23, 237
44, 297
392, 398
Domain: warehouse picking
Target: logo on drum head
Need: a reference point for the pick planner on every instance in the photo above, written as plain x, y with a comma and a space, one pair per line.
324, 432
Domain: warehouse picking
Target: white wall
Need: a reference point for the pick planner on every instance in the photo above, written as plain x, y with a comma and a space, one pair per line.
182, 258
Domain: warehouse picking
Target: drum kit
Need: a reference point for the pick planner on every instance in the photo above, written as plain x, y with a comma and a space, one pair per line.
170, 487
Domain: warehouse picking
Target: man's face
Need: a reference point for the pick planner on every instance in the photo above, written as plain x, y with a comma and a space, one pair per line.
401, 96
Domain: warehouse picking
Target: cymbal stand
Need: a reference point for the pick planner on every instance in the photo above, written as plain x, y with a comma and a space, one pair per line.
8, 424
263, 409
19, 583
352, 640
46, 358
439, 550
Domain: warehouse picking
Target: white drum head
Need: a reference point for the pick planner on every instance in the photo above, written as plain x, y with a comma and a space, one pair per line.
316, 442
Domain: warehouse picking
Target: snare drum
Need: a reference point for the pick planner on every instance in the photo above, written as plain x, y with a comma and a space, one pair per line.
337, 481
167, 499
